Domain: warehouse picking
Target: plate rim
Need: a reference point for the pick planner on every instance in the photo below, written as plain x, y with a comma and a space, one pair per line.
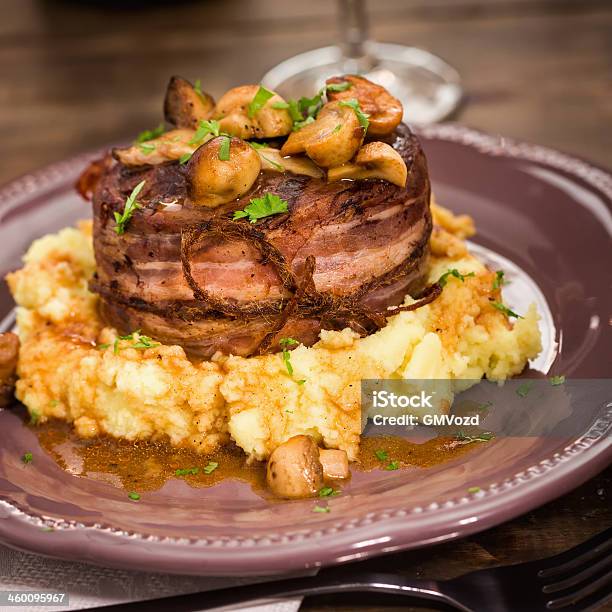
540, 483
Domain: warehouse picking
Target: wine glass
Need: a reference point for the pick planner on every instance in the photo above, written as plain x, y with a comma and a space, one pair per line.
426, 85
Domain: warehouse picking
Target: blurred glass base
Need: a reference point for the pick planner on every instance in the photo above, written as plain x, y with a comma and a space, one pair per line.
427, 86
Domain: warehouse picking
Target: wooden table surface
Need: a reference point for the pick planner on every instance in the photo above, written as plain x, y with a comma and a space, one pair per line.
78, 75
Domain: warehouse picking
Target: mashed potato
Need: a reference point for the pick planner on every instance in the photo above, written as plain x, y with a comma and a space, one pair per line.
72, 367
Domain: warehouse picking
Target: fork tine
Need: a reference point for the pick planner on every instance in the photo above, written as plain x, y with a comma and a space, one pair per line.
589, 589
578, 555
581, 576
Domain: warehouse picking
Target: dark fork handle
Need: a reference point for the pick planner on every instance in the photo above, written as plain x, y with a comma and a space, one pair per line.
329, 581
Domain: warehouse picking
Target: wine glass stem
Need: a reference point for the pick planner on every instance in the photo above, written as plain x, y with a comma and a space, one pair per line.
353, 22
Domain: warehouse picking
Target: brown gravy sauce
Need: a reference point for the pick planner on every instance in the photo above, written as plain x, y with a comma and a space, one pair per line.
147, 465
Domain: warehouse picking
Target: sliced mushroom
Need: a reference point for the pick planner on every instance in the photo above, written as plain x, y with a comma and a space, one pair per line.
335, 464
168, 147
332, 139
232, 112
212, 181
294, 470
271, 159
184, 106
384, 111
374, 160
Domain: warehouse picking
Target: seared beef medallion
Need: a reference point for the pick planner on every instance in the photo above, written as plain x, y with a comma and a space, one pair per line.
346, 253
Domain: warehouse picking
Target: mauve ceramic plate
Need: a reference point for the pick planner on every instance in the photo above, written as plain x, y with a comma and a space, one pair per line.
546, 213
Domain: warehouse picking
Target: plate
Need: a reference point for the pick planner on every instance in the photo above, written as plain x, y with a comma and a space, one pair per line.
542, 213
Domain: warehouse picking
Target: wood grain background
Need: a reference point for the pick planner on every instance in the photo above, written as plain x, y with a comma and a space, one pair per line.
78, 75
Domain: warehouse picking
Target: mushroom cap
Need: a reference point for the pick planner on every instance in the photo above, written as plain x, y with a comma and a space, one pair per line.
332, 139
384, 110
294, 470
212, 181
184, 106
232, 112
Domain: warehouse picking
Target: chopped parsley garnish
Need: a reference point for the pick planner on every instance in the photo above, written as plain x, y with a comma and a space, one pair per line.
304, 110
198, 88
394, 465
363, 118
284, 343
381, 455
258, 145
270, 204
133, 495
188, 472
337, 128
505, 310
321, 509
34, 417
27, 458
259, 100
486, 436
328, 492
224, 148
454, 272
555, 381
206, 127
524, 389
339, 86
184, 158
146, 148
474, 489
150, 134
211, 467
143, 342
102, 347
499, 280
130, 206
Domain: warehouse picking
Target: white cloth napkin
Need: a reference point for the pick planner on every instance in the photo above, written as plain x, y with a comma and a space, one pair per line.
89, 586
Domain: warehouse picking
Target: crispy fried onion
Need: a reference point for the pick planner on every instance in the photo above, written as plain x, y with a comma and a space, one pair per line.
335, 312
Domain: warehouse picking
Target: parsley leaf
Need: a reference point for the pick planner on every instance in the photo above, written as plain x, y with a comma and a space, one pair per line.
328, 492
27, 458
474, 490
555, 381
188, 471
321, 509
198, 88
394, 465
224, 148
454, 272
499, 280
130, 206
524, 389
284, 343
143, 342
150, 134
34, 417
259, 101
381, 455
205, 127
147, 149
211, 467
339, 86
363, 118
505, 310
133, 495
270, 204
